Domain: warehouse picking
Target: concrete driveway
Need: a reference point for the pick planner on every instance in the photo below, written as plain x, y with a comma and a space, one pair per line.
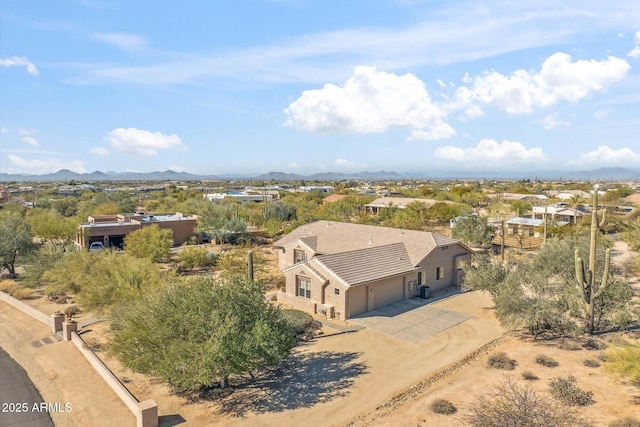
409, 320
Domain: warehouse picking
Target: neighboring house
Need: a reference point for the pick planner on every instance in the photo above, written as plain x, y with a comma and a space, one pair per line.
568, 194
4, 195
111, 230
559, 212
524, 233
333, 198
340, 269
399, 202
633, 198
241, 196
531, 198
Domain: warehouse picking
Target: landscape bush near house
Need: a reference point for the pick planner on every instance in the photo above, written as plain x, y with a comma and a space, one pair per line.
202, 333
302, 324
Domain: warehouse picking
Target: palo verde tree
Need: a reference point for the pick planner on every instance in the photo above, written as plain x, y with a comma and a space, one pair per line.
150, 242
54, 229
202, 332
104, 281
586, 278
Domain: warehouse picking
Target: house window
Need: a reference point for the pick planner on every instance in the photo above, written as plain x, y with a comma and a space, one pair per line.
439, 273
304, 287
419, 278
299, 256
336, 291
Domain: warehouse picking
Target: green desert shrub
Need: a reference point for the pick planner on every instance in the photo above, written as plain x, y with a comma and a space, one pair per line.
443, 407
501, 361
547, 361
623, 361
194, 257
566, 390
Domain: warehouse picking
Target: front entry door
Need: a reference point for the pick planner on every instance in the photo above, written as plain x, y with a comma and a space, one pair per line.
370, 298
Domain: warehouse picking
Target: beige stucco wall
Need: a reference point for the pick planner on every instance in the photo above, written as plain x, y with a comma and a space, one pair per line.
352, 300
449, 260
286, 254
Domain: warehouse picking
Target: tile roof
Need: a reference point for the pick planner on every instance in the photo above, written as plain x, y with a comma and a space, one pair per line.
336, 237
366, 265
402, 202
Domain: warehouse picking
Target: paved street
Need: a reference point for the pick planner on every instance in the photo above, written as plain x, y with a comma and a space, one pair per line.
409, 320
17, 388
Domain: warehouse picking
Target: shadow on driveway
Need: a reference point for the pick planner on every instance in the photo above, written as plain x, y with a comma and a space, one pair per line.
302, 381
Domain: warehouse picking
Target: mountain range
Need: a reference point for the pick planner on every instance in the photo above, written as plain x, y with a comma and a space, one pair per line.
65, 175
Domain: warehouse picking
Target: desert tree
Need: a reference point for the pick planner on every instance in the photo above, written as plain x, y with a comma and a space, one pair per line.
202, 332
16, 240
54, 229
473, 230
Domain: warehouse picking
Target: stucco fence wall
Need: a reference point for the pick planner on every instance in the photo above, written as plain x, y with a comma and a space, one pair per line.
146, 412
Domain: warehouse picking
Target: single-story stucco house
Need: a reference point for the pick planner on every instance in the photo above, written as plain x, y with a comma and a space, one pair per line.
340, 269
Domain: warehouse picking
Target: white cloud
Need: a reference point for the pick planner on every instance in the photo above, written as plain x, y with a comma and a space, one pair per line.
19, 61
635, 52
176, 168
128, 42
30, 140
4, 130
294, 165
37, 166
559, 79
452, 32
437, 132
370, 101
346, 164
490, 151
141, 142
606, 156
100, 151
551, 120
601, 114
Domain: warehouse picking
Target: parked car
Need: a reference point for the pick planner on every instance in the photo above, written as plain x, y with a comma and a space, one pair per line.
96, 246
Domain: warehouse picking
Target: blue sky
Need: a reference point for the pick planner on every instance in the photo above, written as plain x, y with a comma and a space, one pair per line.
313, 86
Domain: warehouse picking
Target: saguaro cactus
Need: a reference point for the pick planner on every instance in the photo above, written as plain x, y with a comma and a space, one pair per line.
586, 278
250, 266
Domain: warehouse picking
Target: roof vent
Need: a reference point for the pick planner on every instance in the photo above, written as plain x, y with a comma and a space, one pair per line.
370, 240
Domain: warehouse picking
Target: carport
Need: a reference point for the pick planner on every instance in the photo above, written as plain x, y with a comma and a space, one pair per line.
409, 320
